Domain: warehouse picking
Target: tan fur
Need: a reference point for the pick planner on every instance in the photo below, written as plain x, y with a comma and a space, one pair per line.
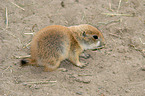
55, 43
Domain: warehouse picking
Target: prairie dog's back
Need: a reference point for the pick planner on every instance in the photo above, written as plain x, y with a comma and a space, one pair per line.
51, 41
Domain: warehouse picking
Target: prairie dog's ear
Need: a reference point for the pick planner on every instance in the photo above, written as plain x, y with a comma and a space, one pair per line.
84, 34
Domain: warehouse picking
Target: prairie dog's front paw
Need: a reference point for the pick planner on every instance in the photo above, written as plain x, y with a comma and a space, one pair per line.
85, 56
82, 64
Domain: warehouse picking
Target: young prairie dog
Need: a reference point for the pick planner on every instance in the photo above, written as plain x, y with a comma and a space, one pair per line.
55, 43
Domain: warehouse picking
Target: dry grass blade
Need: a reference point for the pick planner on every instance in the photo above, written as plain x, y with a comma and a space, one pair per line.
20, 57
110, 7
116, 14
113, 21
84, 75
141, 41
5, 70
115, 35
13, 35
7, 20
17, 6
119, 6
40, 82
29, 33
82, 81
27, 45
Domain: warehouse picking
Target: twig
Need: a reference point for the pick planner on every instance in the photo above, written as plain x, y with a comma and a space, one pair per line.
133, 46
35, 25
137, 83
7, 19
116, 14
141, 41
17, 6
40, 82
66, 21
83, 17
27, 45
84, 75
126, 1
12, 35
110, 8
109, 22
119, 6
82, 81
115, 35
142, 51
29, 33
20, 57
112, 39
5, 70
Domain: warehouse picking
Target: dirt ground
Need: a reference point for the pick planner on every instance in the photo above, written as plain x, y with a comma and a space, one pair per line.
116, 70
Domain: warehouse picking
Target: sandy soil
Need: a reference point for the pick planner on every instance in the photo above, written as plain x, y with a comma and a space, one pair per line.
117, 70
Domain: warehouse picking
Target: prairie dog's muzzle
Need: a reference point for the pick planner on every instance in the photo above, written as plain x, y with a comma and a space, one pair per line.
100, 44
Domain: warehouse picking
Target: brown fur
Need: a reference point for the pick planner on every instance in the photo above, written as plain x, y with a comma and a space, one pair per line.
55, 43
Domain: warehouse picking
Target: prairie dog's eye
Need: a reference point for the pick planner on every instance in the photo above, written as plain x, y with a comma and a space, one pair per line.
95, 37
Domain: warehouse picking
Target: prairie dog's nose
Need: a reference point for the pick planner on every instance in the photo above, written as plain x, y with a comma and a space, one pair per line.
102, 43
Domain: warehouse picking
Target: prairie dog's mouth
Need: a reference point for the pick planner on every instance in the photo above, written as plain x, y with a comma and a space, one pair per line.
98, 48
100, 45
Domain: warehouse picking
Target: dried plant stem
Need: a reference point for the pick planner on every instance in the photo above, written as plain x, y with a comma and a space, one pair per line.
20, 57
113, 21
7, 19
29, 33
5, 70
119, 6
83, 16
17, 6
84, 75
13, 35
27, 45
115, 35
110, 7
40, 82
116, 14
141, 41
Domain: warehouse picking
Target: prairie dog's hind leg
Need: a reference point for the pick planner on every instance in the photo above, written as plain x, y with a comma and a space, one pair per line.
53, 66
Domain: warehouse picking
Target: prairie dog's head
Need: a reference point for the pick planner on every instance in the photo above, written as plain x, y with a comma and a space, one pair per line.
88, 36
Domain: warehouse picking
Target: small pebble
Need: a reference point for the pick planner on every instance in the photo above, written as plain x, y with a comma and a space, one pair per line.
143, 69
24, 84
62, 4
79, 93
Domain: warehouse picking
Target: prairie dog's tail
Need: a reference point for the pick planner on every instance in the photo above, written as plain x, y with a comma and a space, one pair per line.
27, 61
